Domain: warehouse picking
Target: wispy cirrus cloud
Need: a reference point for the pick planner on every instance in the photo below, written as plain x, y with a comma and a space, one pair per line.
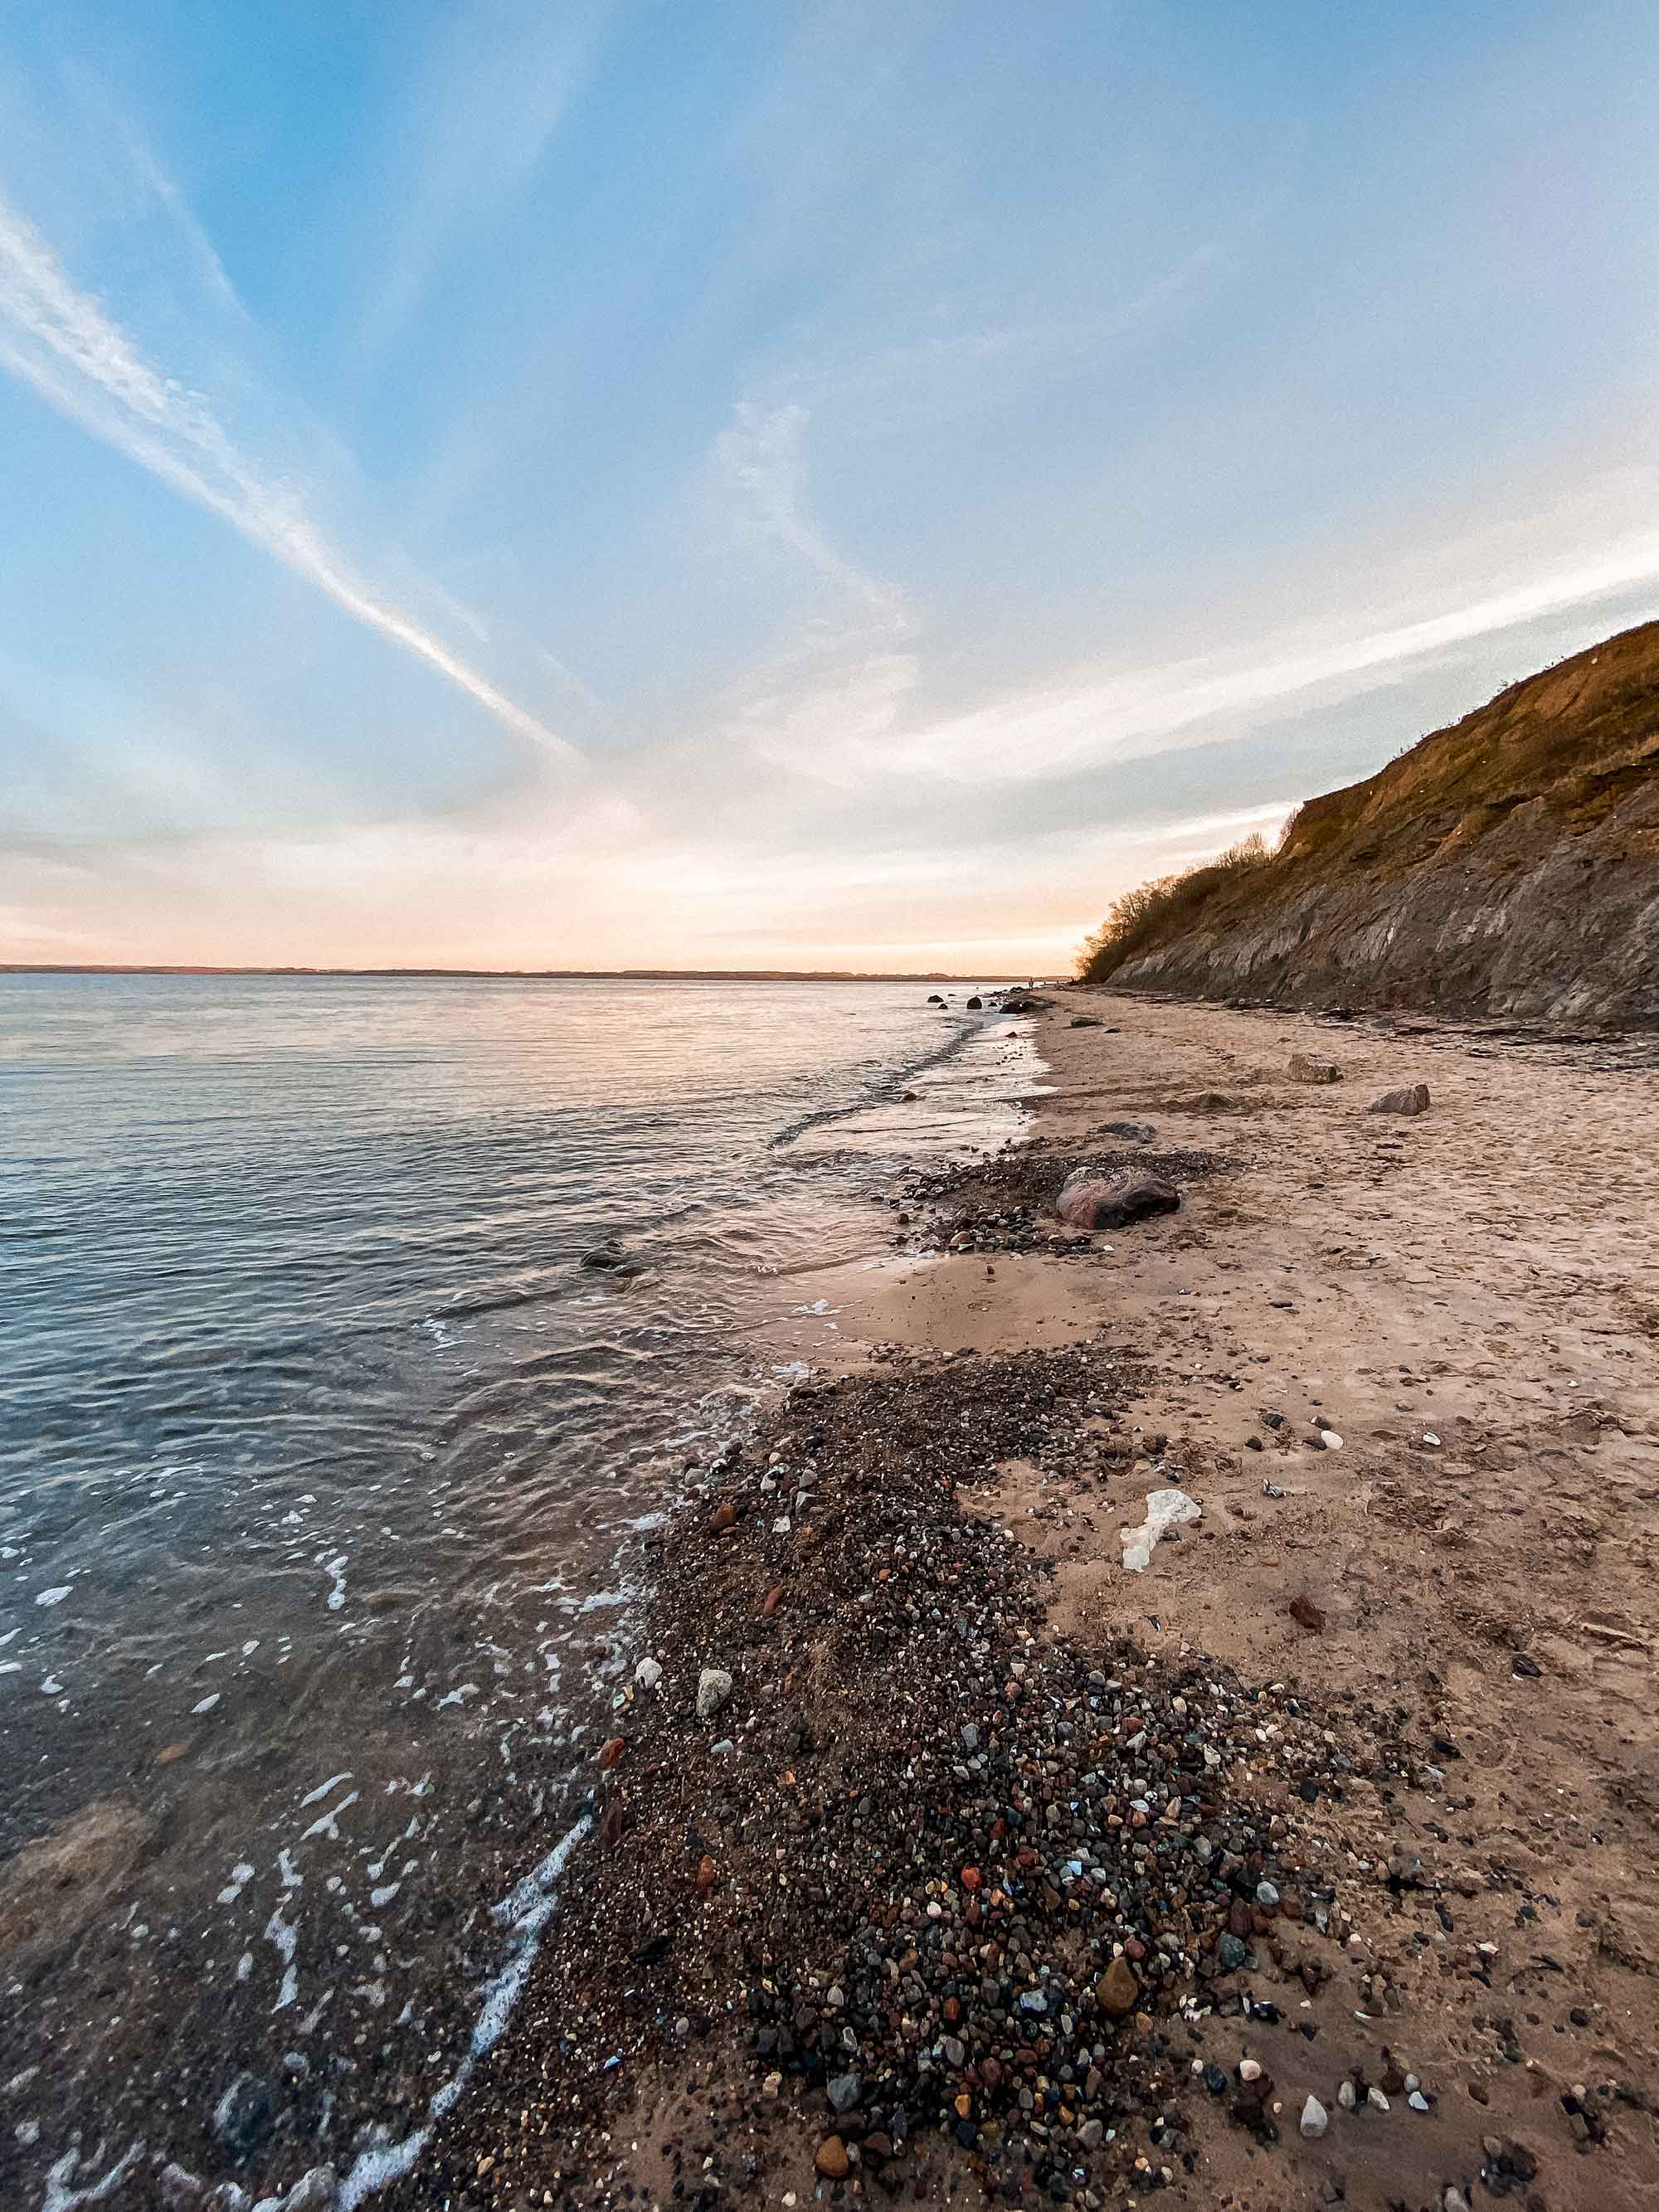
1066, 728
762, 451
482, 103
61, 340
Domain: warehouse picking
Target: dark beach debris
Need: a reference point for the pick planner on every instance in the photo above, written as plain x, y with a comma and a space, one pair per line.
948, 1886
1007, 1203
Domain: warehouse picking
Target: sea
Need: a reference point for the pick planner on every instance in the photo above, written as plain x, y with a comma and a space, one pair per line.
328, 1470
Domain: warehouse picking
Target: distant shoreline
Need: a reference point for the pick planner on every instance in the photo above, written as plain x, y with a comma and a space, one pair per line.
503, 975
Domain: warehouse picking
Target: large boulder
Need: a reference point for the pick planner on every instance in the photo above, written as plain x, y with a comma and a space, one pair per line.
1090, 1200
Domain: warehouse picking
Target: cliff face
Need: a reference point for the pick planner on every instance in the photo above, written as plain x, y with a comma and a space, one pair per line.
1507, 865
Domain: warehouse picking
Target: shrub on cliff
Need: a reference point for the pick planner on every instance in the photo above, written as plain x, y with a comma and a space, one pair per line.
1159, 910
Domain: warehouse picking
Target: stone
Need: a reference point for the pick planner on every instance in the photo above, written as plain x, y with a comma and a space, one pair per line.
1132, 1132
844, 2091
832, 2161
976, 1006
648, 1674
1306, 1614
1315, 2118
1084, 1022
724, 1517
1231, 1954
1090, 1201
1304, 1070
1118, 1989
714, 1688
1347, 2097
612, 1257
610, 1752
245, 2116
316, 2191
1411, 1098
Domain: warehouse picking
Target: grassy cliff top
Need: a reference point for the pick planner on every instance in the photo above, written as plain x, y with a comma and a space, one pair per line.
1576, 741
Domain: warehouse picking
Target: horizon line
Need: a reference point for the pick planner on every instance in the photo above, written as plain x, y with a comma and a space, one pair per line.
507, 975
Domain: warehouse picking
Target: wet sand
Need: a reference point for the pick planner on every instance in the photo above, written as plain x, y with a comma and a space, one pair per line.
1355, 1783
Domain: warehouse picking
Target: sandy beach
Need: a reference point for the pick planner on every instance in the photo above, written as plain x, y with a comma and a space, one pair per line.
1311, 1864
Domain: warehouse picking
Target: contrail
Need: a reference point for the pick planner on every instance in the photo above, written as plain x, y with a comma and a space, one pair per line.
59, 340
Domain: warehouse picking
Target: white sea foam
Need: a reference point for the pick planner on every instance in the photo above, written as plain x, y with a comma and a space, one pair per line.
314, 1797
527, 1911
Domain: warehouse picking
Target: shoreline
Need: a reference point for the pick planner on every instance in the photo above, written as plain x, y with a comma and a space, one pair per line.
329, 2081
1368, 1815
1456, 1866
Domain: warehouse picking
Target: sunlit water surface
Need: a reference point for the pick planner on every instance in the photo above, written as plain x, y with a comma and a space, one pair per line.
323, 1465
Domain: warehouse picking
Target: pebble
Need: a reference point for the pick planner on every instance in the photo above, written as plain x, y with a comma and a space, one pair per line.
832, 2161
714, 1688
1315, 2118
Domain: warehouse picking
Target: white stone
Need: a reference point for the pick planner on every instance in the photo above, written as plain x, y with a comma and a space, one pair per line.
1315, 2118
647, 1673
1374, 2097
714, 1688
1345, 2097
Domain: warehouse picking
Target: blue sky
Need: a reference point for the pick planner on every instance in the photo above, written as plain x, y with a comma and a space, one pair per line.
522, 483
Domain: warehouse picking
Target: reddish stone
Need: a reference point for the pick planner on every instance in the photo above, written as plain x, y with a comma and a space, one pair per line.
610, 1752
706, 1872
722, 1518
971, 1877
772, 1600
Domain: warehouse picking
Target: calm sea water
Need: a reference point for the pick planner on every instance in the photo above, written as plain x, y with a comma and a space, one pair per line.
323, 1465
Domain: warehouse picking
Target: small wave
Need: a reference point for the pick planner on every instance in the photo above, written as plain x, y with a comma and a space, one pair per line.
883, 1093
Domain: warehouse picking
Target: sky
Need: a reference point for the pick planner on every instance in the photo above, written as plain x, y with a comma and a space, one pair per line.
566, 484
